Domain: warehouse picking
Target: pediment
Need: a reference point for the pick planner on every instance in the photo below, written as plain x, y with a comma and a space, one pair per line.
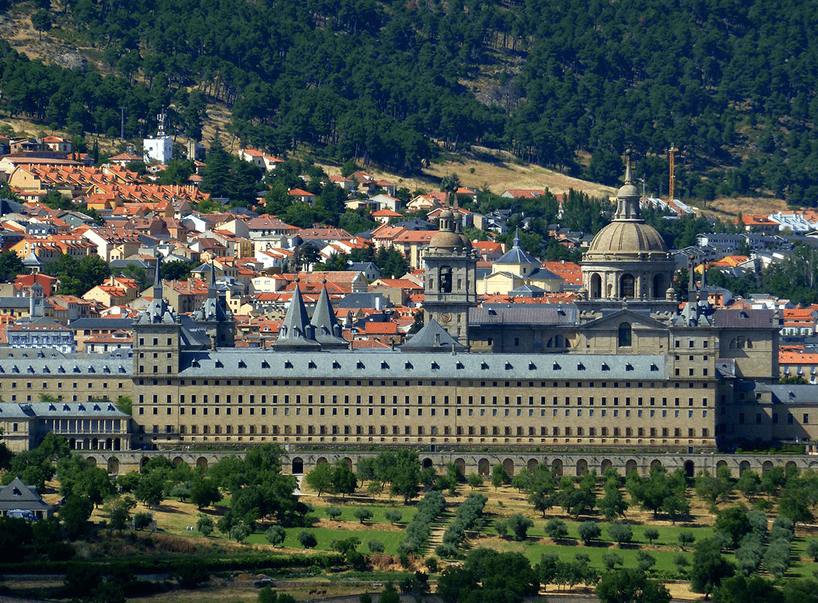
613, 320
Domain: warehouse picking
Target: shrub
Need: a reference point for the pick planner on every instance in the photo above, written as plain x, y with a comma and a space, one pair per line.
620, 533
501, 527
375, 546
275, 535
307, 539
432, 564
556, 529
363, 514
142, 521
333, 512
645, 561
611, 560
519, 525
588, 531
239, 532
205, 525
393, 516
652, 534
681, 562
686, 538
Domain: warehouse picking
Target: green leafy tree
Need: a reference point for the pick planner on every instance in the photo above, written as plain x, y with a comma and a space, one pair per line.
41, 21
686, 538
556, 529
142, 521
363, 515
499, 476
151, 488
343, 480
307, 539
204, 492
474, 480
74, 514
376, 546
739, 589
333, 512
630, 586
589, 531
621, 533
205, 525
320, 478
519, 525
734, 524
239, 532
275, 535
10, 266
613, 504
709, 567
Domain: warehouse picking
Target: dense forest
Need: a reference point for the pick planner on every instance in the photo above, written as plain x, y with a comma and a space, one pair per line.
566, 84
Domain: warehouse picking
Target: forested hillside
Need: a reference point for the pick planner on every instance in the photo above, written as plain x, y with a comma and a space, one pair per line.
568, 83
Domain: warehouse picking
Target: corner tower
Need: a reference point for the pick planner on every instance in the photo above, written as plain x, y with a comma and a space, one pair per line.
450, 278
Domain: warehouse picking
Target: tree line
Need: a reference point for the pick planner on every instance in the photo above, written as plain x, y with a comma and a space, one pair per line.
392, 82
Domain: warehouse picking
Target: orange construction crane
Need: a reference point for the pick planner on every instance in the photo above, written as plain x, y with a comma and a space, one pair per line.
671, 156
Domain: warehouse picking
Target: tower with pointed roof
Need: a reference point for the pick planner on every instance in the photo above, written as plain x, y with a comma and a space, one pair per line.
628, 259
327, 330
157, 335
214, 316
450, 287
297, 332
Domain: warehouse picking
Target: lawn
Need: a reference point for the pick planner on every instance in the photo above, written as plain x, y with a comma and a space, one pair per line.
378, 511
390, 539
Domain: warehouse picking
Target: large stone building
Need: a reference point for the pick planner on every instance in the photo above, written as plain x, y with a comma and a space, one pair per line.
622, 368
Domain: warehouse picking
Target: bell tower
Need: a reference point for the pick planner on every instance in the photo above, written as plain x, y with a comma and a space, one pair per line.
450, 278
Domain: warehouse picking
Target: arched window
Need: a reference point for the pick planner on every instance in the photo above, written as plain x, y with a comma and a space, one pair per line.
625, 335
627, 286
445, 279
596, 286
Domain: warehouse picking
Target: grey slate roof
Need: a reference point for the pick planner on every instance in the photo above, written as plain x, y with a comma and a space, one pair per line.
17, 495
432, 338
296, 331
327, 329
387, 364
792, 394
748, 319
101, 323
538, 314
66, 366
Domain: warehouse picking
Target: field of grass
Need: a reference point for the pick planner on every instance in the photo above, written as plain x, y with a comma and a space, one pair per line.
378, 511
390, 539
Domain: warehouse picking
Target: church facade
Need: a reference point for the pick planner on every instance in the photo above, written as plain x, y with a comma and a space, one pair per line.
622, 368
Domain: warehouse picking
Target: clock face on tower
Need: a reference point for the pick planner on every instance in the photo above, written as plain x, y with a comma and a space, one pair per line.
445, 317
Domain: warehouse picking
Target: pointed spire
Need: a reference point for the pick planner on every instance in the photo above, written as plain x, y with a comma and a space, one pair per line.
516, 244
211, 286
327, 329
157, 277
296, 331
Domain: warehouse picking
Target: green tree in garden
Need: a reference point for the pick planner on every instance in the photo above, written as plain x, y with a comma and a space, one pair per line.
630, 586
320, 478
275, 535
342, 479
499, 476
363, 515
709, 567
205, 525
519, 525
307, 539
474, 480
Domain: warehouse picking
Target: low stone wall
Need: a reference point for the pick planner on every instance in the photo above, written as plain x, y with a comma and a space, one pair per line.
568, 463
